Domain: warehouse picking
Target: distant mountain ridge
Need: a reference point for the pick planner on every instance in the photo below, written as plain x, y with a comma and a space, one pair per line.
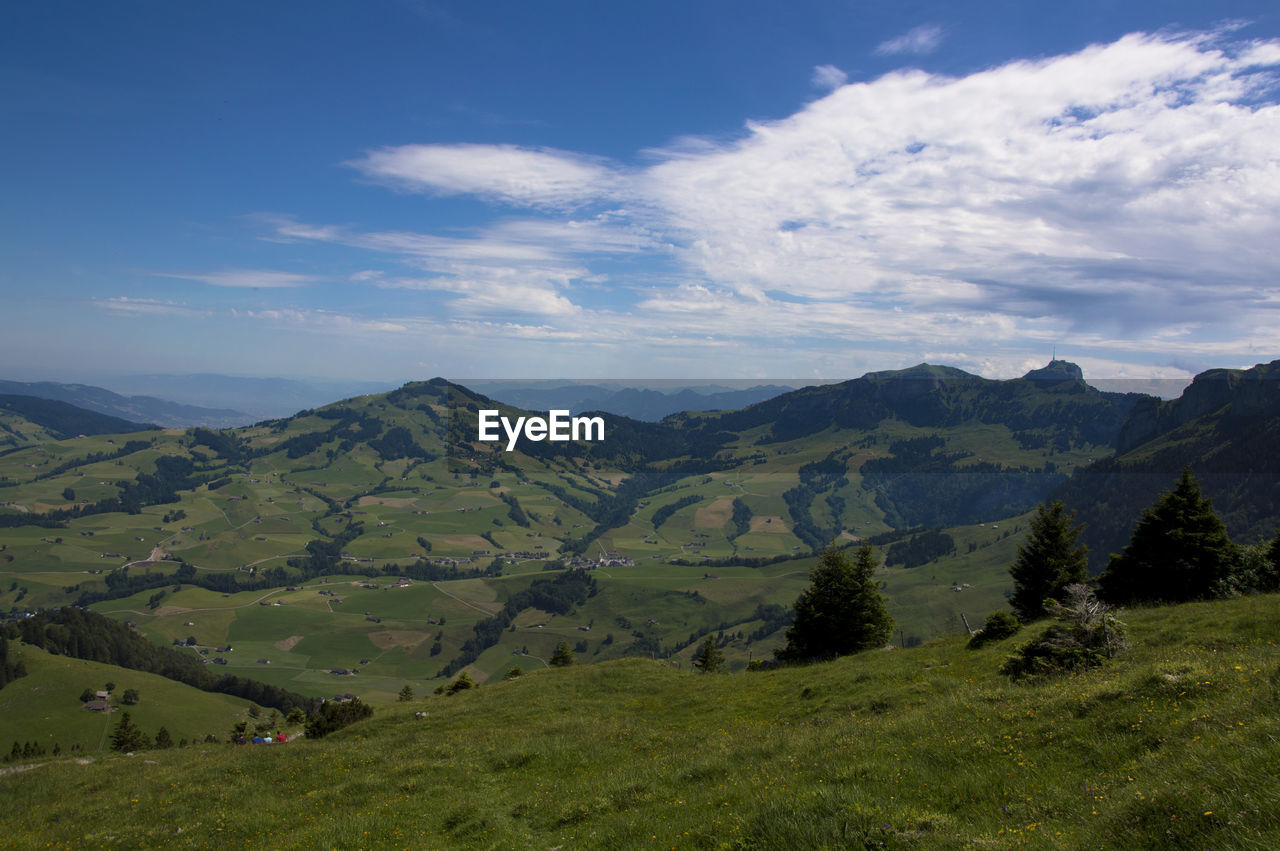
1055, 399
1248, 391
252, 398
638, 403
1225, 427
134, 409
61, 420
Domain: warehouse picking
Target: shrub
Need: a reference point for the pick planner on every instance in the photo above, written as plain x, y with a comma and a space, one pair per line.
460, 684
999, 625
334, 715
563, 657
1086, 635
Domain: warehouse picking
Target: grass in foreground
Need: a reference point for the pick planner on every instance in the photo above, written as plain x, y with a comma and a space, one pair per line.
1173, 746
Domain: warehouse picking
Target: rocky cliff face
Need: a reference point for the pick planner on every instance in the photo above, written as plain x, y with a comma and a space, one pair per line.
1248, 392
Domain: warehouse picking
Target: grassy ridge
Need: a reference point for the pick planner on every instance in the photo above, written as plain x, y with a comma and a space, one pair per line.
1173, 745
45, 707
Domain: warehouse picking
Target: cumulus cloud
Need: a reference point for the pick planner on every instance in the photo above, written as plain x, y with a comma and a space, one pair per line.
920, 40
1121, 177
1122, 199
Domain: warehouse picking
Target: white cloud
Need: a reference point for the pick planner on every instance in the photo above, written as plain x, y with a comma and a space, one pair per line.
1112, 186
1122, 199
255, 278
147, 307
920, 40
532, 177
828, 77
325, 321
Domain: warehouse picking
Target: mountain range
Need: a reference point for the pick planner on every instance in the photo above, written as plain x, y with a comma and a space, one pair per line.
699, 522
137, 409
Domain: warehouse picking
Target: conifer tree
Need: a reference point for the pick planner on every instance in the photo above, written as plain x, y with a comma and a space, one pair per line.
1048, 562
709, 656
406, 694
563, 657
1271, 582
841, 611
1179, 551
128, 737
164, 739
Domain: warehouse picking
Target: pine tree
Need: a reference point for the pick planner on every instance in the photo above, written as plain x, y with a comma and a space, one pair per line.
128, 737
563, 657
406, 694
709, 657
1179, 551
841, 611
164, 739
1048, 562
1271, 578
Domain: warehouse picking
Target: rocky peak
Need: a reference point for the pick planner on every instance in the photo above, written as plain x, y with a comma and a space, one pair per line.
1056, 370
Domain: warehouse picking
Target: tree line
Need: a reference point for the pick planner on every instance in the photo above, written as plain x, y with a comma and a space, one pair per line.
82, 634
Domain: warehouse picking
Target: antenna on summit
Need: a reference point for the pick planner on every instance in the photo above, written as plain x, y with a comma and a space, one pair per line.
1054, 356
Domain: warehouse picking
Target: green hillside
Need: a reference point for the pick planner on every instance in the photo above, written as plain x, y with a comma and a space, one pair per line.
1172, 745
359, 546
44, 707
17, 431
62, 420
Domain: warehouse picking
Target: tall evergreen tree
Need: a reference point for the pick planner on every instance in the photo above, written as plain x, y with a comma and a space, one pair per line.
128, 737
841, 612
709, 656
1179, 551
1048, 562
1272, 580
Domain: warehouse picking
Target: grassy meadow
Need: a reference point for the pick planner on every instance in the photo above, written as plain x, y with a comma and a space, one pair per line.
44, 707
1172, 745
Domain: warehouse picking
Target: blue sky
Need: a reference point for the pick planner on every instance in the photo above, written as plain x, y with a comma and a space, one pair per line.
393, 191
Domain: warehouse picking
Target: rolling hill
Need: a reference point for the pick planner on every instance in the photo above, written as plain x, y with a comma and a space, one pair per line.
27, 420
376, 541
44, 707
